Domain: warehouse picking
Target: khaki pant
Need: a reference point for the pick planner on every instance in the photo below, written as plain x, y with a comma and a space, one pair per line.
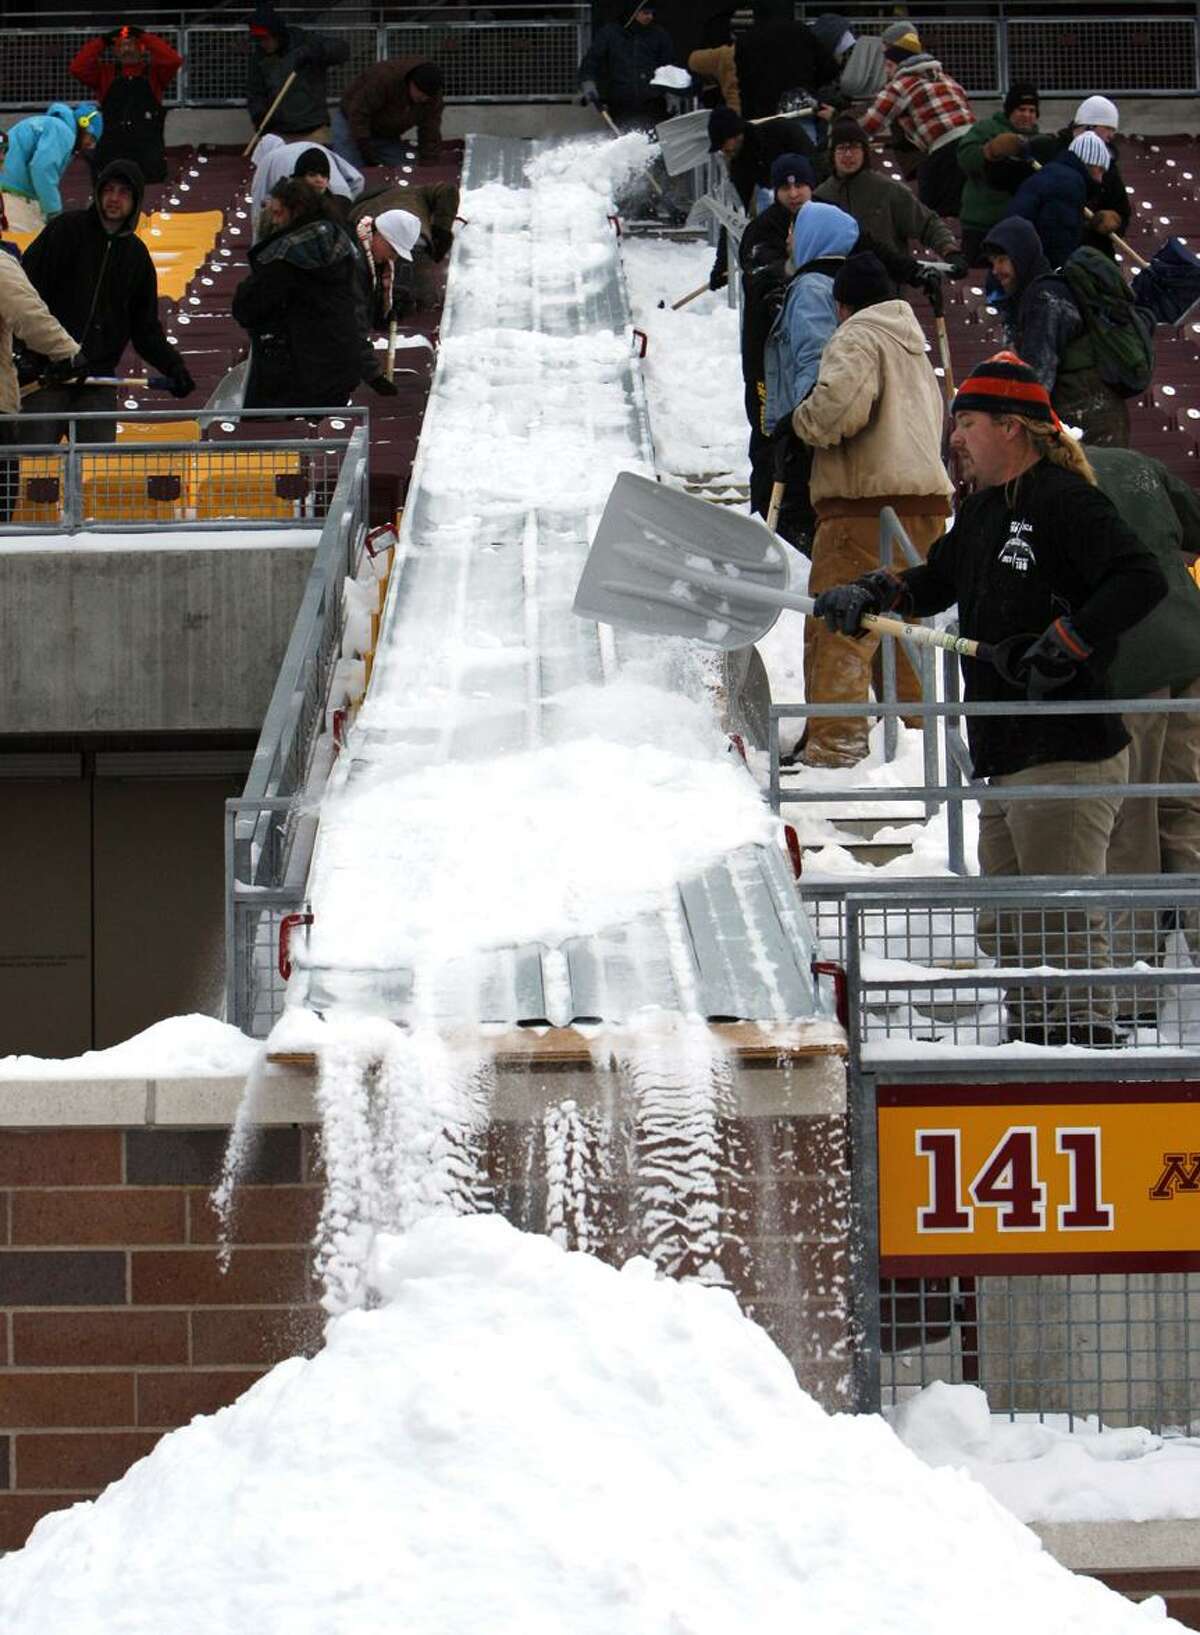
1069, 836
1157, 836
838, 668
24, 215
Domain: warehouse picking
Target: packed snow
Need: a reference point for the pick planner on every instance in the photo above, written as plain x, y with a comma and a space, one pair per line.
181, 1047
1052, 1470
529, 1440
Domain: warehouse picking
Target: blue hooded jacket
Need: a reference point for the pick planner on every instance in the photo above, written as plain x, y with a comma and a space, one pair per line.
808, 316
40, 149
1053, 200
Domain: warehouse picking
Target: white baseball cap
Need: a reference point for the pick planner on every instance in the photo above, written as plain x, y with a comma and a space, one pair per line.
1097, 111
401, 229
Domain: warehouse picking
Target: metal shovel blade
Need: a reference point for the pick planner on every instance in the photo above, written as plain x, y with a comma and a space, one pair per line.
652, 546
684, 141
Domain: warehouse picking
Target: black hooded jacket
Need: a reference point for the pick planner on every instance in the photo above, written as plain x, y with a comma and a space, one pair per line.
102, 286
779, 57
1040, 316
300, 304
1109, 192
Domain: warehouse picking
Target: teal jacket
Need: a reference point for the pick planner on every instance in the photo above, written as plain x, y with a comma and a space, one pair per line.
40, 149
1163, 649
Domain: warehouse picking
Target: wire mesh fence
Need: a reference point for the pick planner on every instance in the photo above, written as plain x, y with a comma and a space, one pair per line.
35, 66
1123, 1348
1132, 56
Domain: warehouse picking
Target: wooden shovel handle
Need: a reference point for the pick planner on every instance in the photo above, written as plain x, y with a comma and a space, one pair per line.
773, 507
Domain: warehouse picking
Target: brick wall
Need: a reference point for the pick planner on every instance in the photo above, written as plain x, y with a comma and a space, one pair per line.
116, 1322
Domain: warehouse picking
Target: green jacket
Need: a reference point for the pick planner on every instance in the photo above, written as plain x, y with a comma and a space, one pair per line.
889, 212
1163, 650
989, 187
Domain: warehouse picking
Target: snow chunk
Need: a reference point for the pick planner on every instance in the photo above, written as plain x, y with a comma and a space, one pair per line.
528, 1438
675, 79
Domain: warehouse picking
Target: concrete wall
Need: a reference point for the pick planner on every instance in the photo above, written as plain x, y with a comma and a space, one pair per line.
183, 640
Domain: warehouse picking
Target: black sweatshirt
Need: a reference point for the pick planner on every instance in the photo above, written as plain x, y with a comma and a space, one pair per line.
1058, 549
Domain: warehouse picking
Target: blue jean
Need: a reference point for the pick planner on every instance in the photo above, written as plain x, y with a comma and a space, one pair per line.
388, 150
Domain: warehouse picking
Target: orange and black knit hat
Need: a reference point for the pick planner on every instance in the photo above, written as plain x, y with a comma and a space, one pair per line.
1006, 385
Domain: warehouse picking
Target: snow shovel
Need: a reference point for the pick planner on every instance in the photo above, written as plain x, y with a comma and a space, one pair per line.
154, 383
616, 130
684, 139
667, 564
692, 295
268, 116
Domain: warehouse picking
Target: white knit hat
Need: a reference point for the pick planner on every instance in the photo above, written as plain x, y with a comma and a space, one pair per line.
1092, 149
401, 229
1097, 111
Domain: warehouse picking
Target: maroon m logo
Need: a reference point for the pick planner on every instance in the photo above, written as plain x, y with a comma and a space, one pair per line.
1181, 1173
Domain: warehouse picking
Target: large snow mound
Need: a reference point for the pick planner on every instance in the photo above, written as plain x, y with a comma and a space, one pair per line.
181, 1047
527, 1441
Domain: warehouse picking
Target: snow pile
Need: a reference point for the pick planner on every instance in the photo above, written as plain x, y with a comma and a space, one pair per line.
525, 1440
182, 1047
675, 79
520, 848
606, 166
1046, 1471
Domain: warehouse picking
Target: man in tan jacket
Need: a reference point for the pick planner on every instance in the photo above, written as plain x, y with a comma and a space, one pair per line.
25, 315
874, 421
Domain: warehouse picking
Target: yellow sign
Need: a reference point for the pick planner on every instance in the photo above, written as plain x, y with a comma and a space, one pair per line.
1011, 1178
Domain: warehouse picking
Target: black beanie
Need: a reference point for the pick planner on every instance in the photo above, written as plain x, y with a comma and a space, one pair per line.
312, 162
792, 167
1020, 92
845, 129
722, 124
427, 77
862, 281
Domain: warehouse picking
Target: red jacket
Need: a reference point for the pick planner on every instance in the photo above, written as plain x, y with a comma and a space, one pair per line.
160, 63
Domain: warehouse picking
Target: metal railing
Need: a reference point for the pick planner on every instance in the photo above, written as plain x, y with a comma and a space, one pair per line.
531, 59
146, 486
268, 831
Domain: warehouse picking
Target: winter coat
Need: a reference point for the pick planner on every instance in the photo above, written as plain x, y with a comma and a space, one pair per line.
377, 104
1053, 201
1109, 192
719, 62
1163, 649
750, 167
874, 416
823, 237
102, 286
762, 255
301, 306
621, 62
39, 150
990, 183
929, 108
131, 101
434, 205
775, 58
306, 106
890, 212
274, 159
1019, 556
25, 317
1044, 326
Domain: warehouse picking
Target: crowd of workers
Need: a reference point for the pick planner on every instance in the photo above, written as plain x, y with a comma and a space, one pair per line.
1074, 543
1068, 551
337, 258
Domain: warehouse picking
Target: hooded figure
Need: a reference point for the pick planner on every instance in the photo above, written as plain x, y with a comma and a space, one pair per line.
1044, 326
301, 305
39, 150
130, 70
274, 159
822, 237
281, 49
97, 278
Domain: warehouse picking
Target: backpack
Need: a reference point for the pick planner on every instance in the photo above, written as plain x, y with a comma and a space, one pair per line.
1118, 334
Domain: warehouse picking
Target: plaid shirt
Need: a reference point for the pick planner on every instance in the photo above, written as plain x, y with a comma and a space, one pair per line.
925, 106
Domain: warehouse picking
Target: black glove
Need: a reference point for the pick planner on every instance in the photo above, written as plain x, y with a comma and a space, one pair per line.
29, 367
366, 149
65, 371
440, 240
1053, 659
958, 264
929, 281
182, 384
383, 386
304, 58
843, 607
719, 276
589, 94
